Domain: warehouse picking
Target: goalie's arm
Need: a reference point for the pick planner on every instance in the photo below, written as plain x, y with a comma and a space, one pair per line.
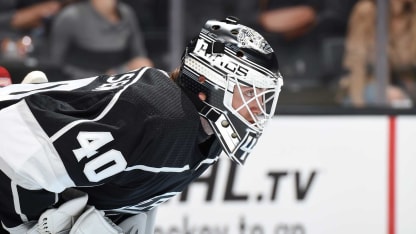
20, 205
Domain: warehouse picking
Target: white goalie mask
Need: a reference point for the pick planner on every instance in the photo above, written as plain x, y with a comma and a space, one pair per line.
237, 70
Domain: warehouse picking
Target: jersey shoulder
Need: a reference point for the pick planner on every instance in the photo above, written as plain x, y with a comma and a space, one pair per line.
158, 95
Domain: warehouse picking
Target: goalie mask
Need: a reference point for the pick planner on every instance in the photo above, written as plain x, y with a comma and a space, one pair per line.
237, 70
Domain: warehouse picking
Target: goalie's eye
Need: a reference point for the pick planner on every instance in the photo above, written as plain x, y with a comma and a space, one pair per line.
249, 93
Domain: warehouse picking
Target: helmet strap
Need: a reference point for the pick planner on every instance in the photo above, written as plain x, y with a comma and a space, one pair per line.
199, 105
205, 110
210, 113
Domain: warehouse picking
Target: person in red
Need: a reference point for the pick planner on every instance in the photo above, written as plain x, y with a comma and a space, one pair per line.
5, 78
100, 154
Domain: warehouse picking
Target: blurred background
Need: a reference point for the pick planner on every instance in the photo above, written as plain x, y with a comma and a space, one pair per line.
332, 53
338, 157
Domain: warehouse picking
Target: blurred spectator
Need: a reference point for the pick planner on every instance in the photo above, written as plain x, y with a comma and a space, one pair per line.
291, 18
358, 86
203, 10
152, 14
5, 78
98, 37
20, 20
290, 27
153, 18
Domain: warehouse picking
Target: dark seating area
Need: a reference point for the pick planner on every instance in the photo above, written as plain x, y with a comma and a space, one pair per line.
311, 65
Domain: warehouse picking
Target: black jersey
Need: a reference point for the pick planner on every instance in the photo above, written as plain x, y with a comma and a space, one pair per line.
131, 141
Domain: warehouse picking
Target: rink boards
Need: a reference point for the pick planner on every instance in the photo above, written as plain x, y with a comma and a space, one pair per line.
308, 174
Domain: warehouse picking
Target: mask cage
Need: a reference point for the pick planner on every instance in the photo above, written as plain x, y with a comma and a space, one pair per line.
257, 105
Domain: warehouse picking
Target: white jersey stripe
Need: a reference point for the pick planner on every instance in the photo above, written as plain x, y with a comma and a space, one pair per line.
16, 202
15, 92
105, 111
158, 169
27, 156
208, 161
